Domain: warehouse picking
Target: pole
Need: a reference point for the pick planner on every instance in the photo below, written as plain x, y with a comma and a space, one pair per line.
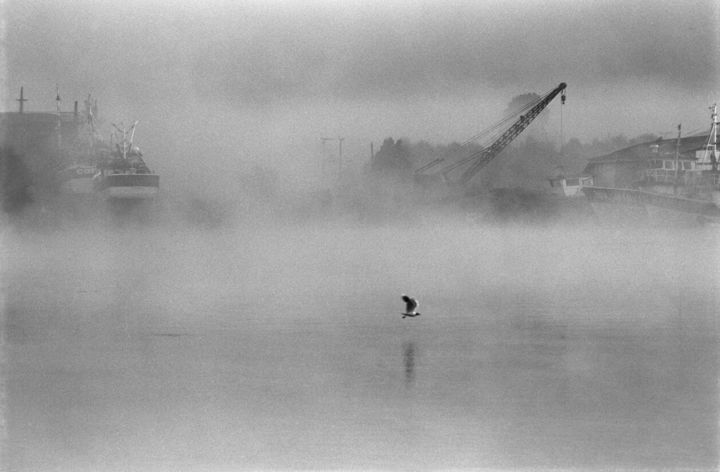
714, 138
59, 121
340, 141
677, 160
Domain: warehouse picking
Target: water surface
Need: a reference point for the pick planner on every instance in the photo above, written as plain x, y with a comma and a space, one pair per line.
283, 348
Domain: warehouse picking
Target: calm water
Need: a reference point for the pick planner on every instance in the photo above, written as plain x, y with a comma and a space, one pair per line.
284, 349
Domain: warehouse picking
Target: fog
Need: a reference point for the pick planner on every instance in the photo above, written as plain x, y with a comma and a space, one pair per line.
250, 318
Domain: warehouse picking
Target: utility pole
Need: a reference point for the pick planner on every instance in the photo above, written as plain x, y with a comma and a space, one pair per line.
324, 154
340, 141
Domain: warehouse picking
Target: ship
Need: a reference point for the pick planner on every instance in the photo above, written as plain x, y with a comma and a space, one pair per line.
78, 153
52, 147
666, 181
69, 164
122, 174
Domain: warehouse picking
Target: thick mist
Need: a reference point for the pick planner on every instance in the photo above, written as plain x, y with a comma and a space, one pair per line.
222, 87
250, 318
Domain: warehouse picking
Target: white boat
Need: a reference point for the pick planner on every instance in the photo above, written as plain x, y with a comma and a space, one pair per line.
123, 174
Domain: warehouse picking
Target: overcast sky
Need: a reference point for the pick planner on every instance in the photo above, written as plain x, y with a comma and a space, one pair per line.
262, 80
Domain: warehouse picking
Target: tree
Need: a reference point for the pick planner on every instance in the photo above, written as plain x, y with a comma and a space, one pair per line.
393, 157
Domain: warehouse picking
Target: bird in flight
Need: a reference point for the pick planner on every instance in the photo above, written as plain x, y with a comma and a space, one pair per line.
411, 305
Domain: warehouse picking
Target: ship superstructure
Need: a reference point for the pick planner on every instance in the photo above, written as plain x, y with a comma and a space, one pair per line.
667, 179
123, 174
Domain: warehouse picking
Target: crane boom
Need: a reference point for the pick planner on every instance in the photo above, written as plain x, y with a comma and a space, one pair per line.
483, 157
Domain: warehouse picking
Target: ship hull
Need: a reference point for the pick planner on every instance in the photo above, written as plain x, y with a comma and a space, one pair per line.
639, 206
129, 186
78, 180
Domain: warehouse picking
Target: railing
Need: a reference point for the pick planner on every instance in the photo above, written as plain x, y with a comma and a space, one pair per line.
681, 177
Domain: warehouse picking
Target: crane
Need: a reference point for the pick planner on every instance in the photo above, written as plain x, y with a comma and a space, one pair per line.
479, 159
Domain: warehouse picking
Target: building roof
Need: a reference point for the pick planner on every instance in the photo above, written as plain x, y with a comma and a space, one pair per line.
654, 149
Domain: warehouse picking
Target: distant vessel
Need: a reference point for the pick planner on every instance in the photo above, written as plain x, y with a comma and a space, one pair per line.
50, 145
123, 174
664, 181
68, 159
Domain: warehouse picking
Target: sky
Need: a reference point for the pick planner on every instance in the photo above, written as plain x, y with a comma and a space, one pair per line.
222, 85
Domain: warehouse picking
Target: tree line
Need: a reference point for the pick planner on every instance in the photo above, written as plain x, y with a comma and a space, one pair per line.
527, 162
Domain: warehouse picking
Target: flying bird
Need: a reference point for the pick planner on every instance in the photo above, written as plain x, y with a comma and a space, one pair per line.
411, 305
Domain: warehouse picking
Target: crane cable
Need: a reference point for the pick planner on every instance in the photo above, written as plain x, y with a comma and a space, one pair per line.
493, 129
492, 133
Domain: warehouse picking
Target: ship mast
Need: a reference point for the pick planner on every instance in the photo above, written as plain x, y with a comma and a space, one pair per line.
126, 145
677, 160
58, 127
713, 137
22, 99
708, 155
132, 134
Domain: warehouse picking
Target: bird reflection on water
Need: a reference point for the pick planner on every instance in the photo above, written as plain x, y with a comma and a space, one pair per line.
409, 362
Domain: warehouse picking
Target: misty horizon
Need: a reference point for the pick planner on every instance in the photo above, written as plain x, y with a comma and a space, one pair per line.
260, 83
